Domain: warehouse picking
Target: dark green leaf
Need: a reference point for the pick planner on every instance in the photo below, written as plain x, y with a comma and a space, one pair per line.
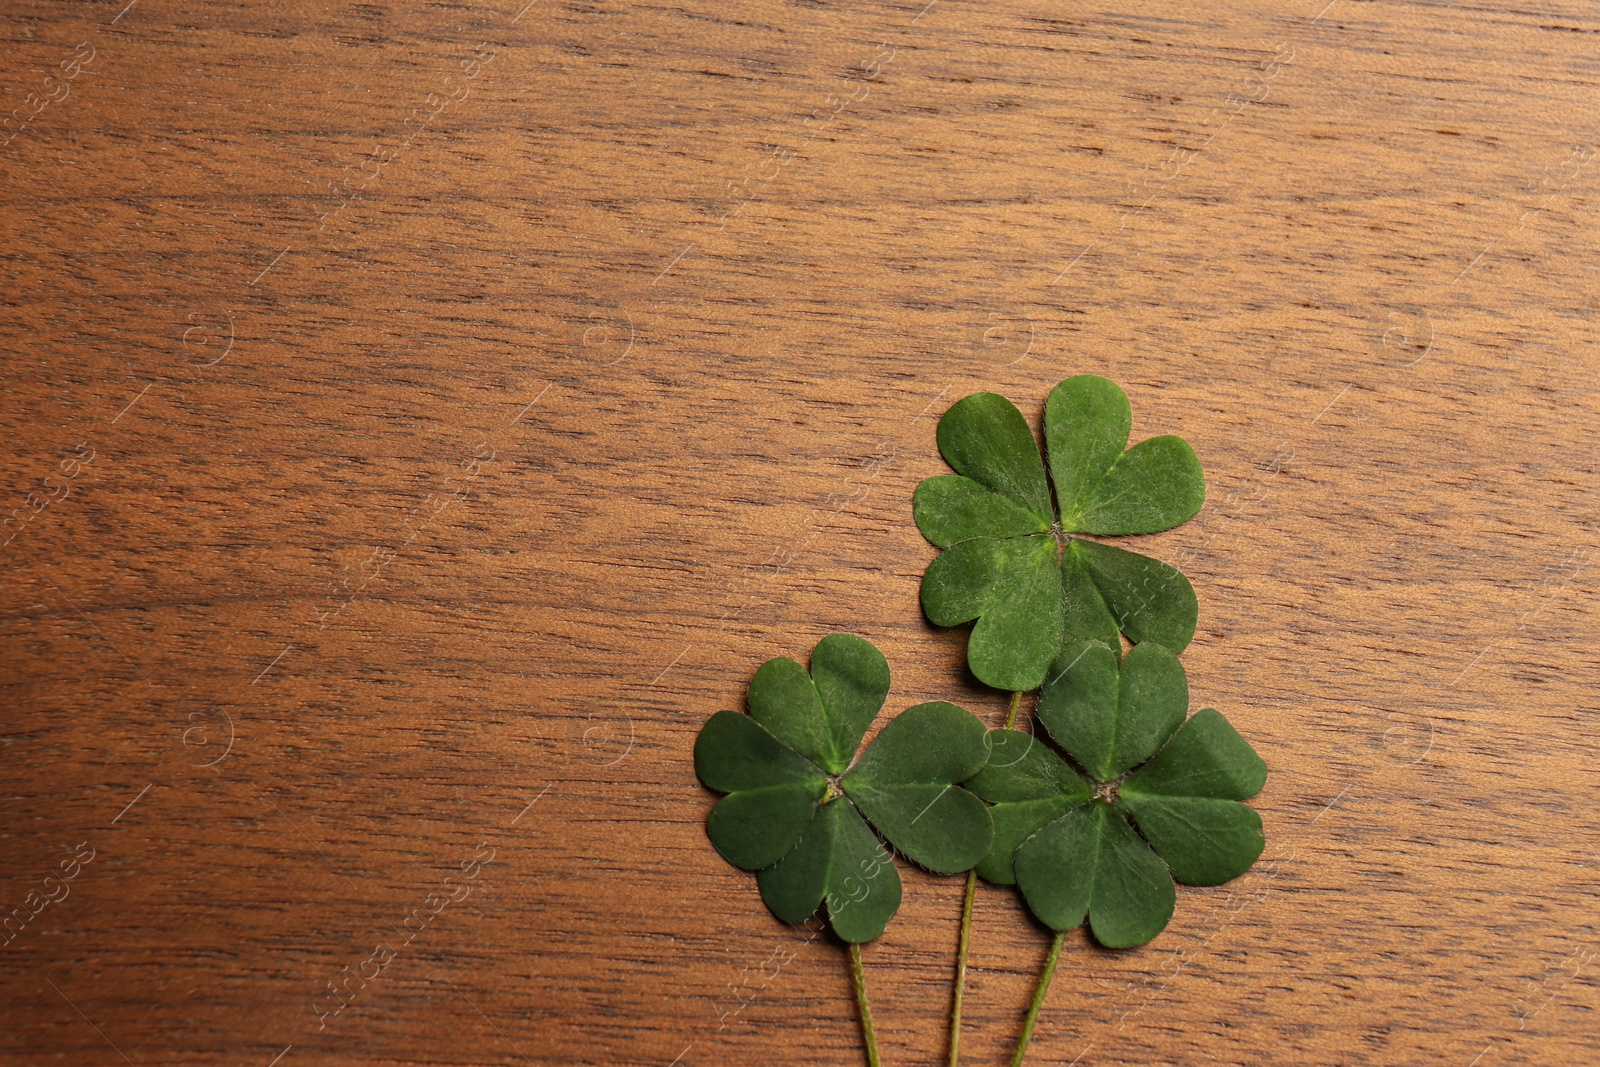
1014, 585
949, 509
1011, 646
1207, 758
1086, 424
986, 438
1186, 801
793, 889
772, 790
1014, 823
1022, 767
863, 884
754, 828
1078, 705
1150, 600
969, 578
941, 827
1084, 615
1156, 485
852, 678
839, 862
782, 698
905, 784
1090, 862
822, 715
1110, 718
1204, 841
1029, 786
929, 743
734, 753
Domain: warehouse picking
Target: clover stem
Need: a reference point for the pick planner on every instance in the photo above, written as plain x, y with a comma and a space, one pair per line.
961, 969
966, 932
1048, 973
867, 1034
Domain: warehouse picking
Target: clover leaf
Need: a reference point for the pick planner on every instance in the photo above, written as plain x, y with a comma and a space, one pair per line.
801, 807
1019, 566
1154, 796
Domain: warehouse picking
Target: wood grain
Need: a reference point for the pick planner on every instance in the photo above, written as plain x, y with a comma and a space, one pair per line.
445, 407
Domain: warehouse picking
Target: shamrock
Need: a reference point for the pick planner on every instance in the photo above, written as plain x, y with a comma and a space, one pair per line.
1023, 570
1066, 838
801, 807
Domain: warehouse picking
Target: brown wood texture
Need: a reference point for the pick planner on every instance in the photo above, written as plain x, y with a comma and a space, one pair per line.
420, 417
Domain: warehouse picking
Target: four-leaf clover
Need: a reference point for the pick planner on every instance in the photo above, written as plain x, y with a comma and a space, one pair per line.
1066, 838
1018, 565
801, 807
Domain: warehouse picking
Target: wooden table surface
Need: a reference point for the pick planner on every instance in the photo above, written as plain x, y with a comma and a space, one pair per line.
420, 418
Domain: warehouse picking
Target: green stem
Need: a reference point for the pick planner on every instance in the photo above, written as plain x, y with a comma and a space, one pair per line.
1048, 973
966, 932
863, 1006
961, 969
1011, 716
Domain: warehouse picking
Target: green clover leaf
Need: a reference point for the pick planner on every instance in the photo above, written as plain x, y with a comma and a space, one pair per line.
1019, 566
1155, 797
801, 807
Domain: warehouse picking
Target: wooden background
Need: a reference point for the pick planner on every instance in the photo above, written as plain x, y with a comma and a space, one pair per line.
420, 417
